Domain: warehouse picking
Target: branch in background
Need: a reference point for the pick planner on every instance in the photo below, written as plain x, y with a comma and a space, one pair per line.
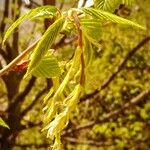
88, 142
61, 5
80, 127
12, 64
64, 41
112, 114
60, 42
84, 3
125, 106
44, 145
35, 3
15, 12
48, 21
22, 95
116, 71
110, 141
3, 54
49, 84
25, 111
2, 28
29, 125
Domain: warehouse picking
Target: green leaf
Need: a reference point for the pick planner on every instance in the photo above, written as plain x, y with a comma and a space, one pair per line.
107, 5
90, 38
111, 5
88, 51
128, 2
100, 14
34, 13
92, 27
91, 24
46, 41
2, 123
47, 68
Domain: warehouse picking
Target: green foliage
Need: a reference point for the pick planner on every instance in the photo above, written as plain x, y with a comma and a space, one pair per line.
45, 42
109, 5
100, 14
88, 51
90, 25
62, 99
48, 67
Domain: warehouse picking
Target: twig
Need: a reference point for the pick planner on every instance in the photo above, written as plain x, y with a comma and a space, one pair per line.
84, 3
15, 35
116, 71
32, 145
132, 102
9, 67
80, 127
3, 24
88, 142
35, 3
61, 5
30, 125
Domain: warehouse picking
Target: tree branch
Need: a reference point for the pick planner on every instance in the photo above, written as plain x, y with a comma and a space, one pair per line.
35, 3
84, 3
125, 106
12, 64
25, 111
2, 28
3, 54
116, 71
15, 40
32, 145
21, 95
29, 125
88, 142
79, 127
111, 114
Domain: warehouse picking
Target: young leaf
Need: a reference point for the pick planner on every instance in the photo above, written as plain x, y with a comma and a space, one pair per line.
88, 51
90, 38
73, 69
46, 41
2, 123
34, 13
61, 119
47, 68
92, 27
91, 23
128, 2
109, 5
100, 14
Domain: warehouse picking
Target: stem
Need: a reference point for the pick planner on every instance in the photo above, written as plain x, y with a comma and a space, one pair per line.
82, 78
80, 43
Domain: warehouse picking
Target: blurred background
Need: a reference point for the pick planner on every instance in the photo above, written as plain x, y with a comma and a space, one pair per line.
117, 118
